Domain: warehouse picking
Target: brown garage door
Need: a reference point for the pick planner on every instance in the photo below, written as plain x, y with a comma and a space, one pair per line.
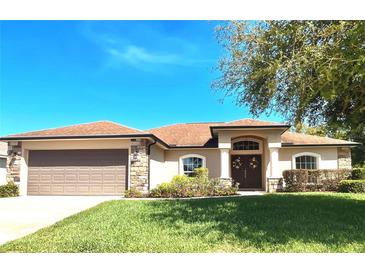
77, 172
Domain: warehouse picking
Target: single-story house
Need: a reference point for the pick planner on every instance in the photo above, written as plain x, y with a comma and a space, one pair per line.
106, 158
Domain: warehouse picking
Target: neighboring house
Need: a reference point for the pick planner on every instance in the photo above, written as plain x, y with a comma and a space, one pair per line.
105, 158
3, 159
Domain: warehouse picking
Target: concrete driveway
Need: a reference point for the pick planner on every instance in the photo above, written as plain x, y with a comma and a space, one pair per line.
24, 215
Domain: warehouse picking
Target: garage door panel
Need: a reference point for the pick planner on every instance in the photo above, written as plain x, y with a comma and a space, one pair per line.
71, 178
46, 177
84, 178
109, 188
45, 188
57, 189
77, 172
96, 178
96, 188
33, 189
58, 178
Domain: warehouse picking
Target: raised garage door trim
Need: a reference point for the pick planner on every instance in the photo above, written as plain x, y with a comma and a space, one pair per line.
77, 172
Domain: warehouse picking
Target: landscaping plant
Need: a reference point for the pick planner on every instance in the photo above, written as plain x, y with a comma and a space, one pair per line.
358, 173
352, 186
302, 180
197, 186
133, 193
9, 190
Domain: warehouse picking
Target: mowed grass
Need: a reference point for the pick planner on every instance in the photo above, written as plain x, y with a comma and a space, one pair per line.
270, 223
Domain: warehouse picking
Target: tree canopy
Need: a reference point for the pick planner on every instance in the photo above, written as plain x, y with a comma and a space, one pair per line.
311, 72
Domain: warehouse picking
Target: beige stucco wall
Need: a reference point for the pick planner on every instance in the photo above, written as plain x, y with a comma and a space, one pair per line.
328, 157
157, 166
164, 171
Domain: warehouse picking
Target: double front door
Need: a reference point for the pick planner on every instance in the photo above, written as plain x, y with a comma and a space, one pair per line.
246, 171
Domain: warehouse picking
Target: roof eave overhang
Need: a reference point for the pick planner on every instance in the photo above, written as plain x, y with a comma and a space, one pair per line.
320, 145
70, 137
283, 127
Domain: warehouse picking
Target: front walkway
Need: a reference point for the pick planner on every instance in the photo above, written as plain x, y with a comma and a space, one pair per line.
24, 215
250, 192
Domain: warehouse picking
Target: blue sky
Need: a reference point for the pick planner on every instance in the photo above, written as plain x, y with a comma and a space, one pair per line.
142, 74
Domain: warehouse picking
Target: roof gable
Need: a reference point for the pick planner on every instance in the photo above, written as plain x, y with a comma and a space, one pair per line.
190, 134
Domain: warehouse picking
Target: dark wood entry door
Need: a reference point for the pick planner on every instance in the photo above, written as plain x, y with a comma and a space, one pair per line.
247, 170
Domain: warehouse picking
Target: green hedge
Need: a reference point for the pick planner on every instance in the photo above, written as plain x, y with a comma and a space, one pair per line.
197, 186
352, 186
9, 190
306, 180
358, 173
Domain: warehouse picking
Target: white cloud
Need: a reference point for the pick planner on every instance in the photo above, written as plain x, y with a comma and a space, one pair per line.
156, 52
137, 56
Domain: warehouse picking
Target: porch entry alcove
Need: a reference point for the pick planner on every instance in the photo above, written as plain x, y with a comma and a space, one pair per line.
246, 162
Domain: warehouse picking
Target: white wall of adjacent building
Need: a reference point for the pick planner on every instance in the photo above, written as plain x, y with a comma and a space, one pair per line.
3, 159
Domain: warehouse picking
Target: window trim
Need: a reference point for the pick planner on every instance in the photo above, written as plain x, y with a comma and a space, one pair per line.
316, 155
181, 163
259, 151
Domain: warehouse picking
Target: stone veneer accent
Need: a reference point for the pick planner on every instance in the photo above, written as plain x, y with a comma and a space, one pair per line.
139, 165
344, 157
275, 185
13, 161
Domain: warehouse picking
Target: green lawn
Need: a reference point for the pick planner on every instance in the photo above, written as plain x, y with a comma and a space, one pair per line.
270, 223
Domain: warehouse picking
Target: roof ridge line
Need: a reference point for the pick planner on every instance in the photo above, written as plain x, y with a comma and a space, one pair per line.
119, 124
281, 123
175, 124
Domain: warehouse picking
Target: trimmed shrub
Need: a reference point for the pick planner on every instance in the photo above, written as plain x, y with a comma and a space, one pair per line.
133, 193
358, 173
9, 190
306, 180
352, 186
197, 186
295, 180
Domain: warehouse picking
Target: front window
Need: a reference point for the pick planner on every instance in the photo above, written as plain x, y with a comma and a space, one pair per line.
306, 162
246, 145
191, 163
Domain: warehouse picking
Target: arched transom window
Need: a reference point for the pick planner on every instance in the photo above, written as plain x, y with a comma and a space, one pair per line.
246, 145
306, 160
190, 162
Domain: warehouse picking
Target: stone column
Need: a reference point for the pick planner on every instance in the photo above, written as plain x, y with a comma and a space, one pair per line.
344, 158
139, 165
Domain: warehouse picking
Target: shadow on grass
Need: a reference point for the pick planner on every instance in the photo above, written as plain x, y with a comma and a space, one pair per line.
270, 222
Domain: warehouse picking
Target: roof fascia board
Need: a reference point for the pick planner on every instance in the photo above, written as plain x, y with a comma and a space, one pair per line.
82, 137
284, 127
288, 145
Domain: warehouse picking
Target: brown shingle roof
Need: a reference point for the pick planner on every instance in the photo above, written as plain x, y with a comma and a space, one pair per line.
189, 134
252, 122
95, 128
194, 134
305, 139
199, 134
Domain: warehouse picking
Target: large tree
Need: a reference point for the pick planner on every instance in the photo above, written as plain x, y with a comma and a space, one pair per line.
311, 72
